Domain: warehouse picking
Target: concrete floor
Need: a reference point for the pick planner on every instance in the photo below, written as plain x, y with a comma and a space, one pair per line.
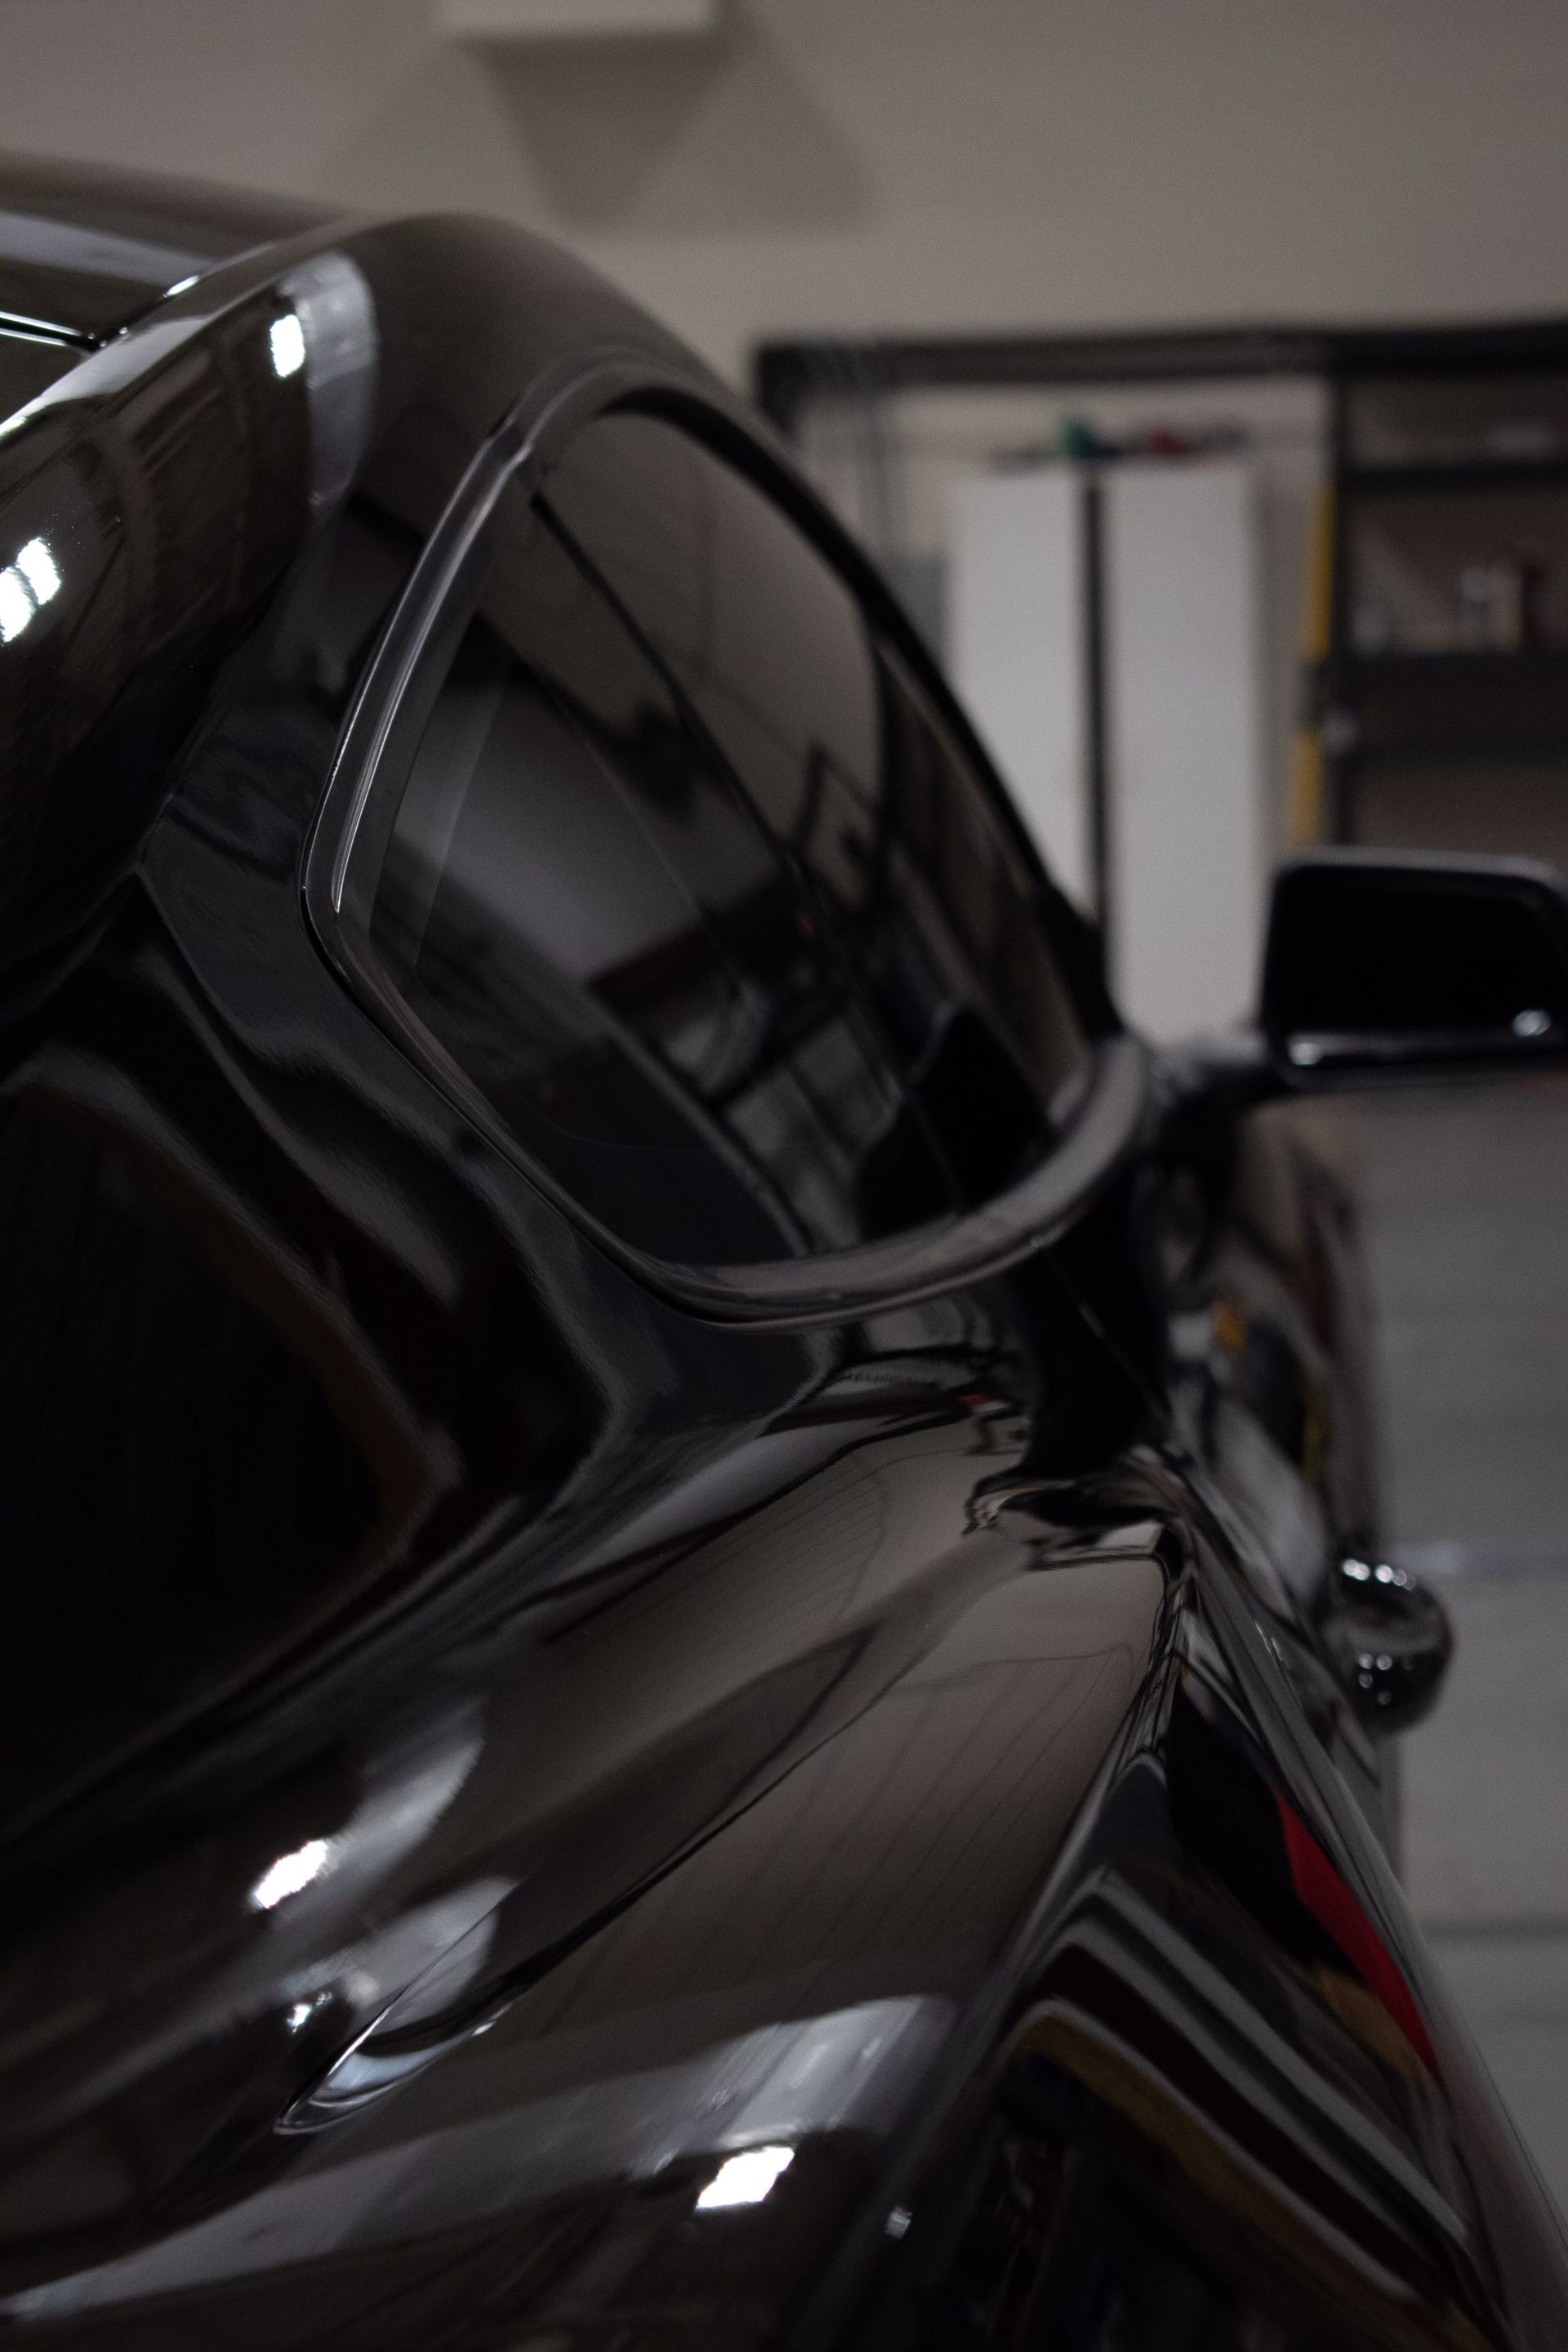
1464, 1199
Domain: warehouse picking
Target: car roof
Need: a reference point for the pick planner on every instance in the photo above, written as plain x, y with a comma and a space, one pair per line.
163, 457
86, 251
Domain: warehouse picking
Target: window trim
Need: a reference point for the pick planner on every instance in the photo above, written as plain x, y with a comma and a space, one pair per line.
337, 885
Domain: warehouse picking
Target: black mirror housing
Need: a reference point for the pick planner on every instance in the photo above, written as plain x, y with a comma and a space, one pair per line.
1407, 959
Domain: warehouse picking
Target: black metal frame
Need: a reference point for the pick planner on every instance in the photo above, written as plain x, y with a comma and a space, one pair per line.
787, 373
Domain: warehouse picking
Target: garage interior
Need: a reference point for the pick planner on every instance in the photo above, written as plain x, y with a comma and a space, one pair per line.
1199, 375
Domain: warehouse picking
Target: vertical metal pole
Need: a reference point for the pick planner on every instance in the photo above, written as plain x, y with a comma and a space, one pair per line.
1096, 744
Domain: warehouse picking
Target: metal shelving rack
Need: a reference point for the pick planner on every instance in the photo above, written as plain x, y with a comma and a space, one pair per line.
1381, 718
1367, 715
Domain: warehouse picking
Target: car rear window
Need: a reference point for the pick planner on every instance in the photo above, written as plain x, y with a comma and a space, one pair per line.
583, 909
681, 866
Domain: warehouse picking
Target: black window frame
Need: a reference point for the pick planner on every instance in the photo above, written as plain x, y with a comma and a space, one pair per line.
341, 865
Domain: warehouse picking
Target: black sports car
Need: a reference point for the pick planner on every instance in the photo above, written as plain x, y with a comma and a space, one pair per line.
694, 1650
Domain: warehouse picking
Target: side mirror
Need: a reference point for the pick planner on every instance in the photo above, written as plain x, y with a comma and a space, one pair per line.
1395, 959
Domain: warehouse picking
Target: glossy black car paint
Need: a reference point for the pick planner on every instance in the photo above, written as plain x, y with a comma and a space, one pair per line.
489, 1739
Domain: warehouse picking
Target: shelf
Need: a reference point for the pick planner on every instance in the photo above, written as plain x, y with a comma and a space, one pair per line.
1481, 474
1451, 751
1448, 514
1524, 661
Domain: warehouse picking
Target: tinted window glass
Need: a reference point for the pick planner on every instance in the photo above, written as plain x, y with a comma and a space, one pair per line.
898, 843
582, 908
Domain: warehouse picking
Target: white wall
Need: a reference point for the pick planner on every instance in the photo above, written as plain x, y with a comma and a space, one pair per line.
852, 164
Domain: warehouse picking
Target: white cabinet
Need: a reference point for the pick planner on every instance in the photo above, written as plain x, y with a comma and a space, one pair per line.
1184, 743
